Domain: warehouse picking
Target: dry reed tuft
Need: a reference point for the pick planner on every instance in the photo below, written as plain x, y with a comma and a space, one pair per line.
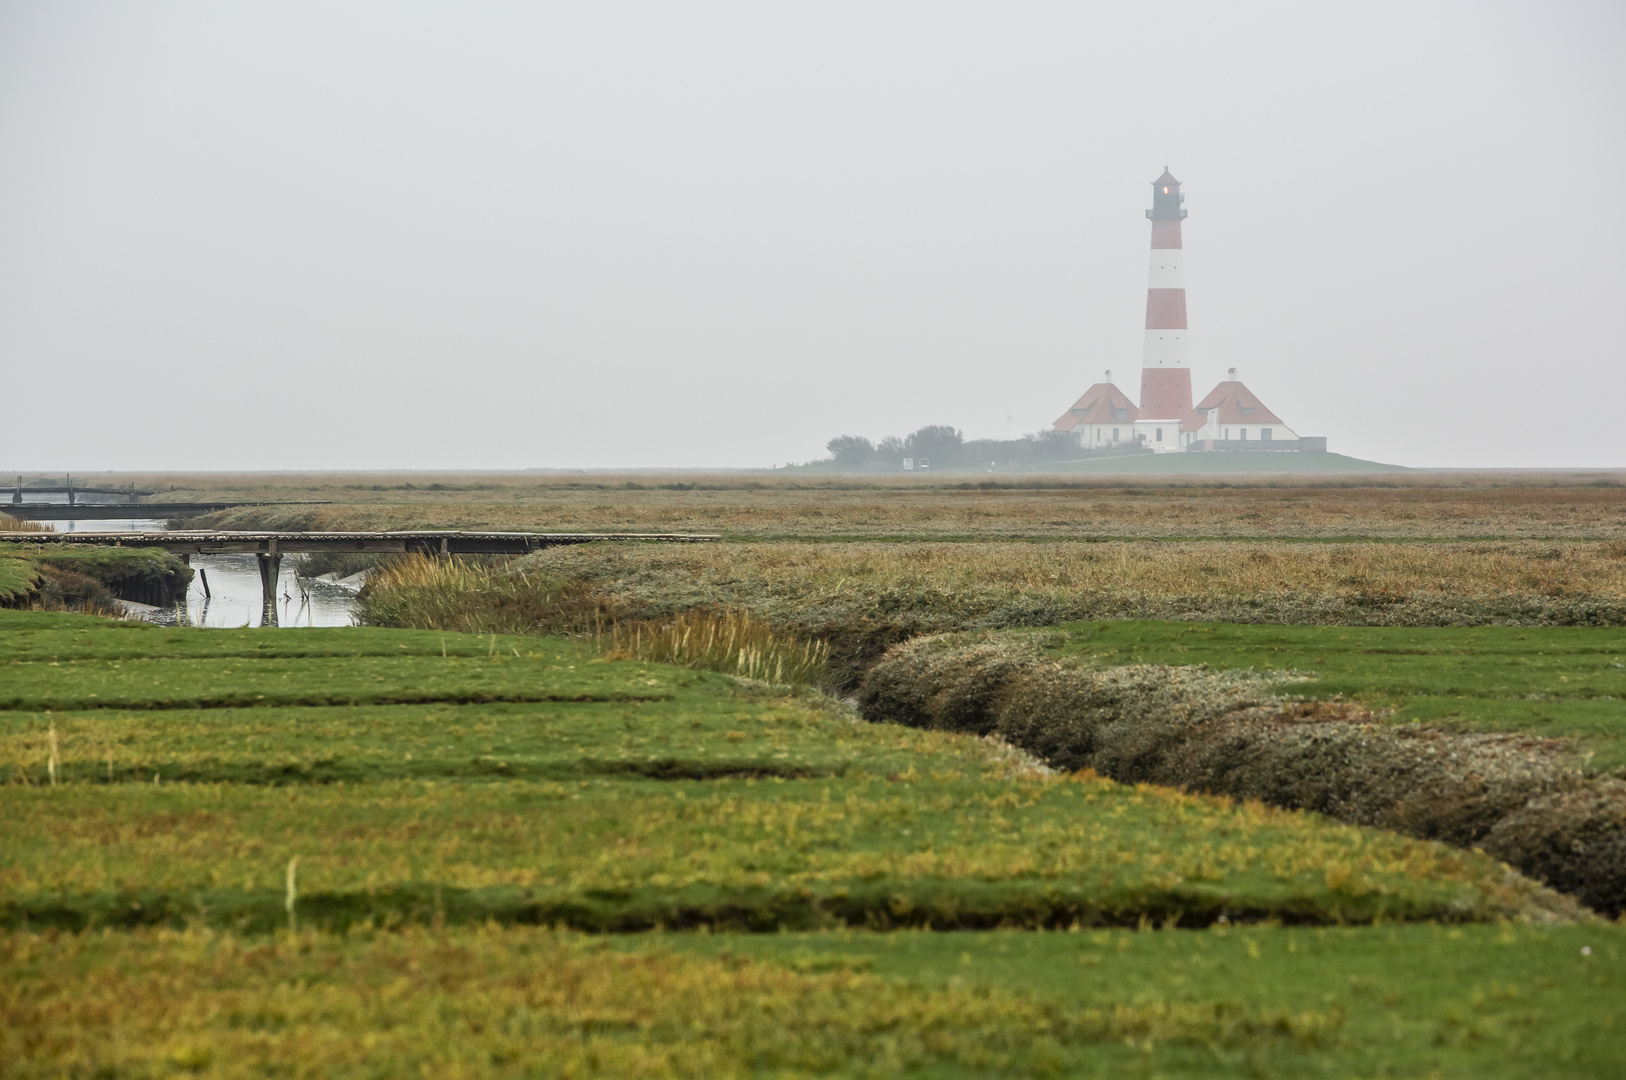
730, 641
500, 598
11, 524
291, 894
467, 596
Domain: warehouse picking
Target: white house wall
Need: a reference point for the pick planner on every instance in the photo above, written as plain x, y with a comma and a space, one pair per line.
1246, 432
1171, 434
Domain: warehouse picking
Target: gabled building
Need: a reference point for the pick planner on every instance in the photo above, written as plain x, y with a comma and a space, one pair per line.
1103, 417
1231, 414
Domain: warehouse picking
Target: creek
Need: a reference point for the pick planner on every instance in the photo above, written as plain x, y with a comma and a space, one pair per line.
233, 596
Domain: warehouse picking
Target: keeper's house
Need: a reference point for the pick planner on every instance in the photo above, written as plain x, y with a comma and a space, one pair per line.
1232, 417
1104, 417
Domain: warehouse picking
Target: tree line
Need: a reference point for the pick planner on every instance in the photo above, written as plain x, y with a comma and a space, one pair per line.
947, 448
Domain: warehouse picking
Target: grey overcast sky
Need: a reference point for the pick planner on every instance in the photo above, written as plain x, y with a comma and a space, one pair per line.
405, 235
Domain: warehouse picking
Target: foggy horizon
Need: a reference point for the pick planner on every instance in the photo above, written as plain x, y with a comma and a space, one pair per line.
420, 238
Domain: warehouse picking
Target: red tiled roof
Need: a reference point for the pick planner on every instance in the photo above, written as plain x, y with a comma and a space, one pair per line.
1099, 405
1235, 404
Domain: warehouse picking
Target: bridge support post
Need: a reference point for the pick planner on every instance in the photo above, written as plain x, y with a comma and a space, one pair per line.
270, 564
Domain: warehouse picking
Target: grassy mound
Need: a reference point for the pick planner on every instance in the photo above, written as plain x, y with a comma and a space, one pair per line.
89, 578
1544, 682
1228, 732
1252, 463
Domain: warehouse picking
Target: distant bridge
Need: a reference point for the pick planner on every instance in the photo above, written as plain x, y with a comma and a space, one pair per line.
271, 546
73, 491
34, 511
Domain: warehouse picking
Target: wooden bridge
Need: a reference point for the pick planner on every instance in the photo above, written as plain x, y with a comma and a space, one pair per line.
73, 491
270, 547
103, 511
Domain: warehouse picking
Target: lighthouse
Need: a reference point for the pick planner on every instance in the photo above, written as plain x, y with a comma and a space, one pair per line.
1165, 376
1229, 419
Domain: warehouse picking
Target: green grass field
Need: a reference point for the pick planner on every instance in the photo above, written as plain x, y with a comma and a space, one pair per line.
16, 576
1402, 1001
455, 803
1558, 682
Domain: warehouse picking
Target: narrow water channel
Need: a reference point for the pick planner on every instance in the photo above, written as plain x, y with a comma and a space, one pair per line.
233, 594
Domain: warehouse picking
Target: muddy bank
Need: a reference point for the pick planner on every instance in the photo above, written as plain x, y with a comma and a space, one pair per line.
93, 577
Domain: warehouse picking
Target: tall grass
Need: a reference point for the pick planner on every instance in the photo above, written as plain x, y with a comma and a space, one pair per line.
730, 641
467, 596
473, 596
860, 598
11, 524
1475, 506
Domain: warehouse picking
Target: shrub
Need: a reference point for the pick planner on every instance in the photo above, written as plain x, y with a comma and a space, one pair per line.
850, 451
937, 441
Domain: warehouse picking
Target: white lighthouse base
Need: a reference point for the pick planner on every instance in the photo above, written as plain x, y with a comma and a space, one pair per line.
1159, 436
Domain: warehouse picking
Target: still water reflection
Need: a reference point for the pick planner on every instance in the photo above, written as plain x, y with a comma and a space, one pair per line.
108, 525
233, 596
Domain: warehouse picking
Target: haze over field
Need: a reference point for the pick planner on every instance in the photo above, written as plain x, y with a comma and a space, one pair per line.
312, 236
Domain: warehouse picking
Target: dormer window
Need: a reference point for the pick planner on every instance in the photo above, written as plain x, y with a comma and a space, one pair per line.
1120, 414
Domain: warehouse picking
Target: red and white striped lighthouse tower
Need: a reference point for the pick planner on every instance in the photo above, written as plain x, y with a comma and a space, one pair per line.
1165, 378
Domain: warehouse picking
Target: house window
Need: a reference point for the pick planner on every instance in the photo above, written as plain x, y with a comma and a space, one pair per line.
1266, 433
1114, 434
1227, 433
1159, 434
1244, 434
1120, 414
